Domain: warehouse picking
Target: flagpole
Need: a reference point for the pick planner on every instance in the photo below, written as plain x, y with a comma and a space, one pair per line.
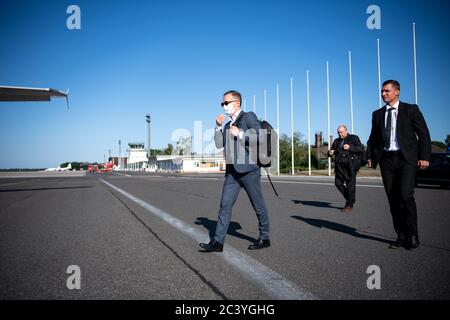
292, 128
328, 105
309, 124
254, 103
351, 87
278, 129
415, 64
379, 73
265, 105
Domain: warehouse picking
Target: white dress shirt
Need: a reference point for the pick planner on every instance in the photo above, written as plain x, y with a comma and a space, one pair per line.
394, 114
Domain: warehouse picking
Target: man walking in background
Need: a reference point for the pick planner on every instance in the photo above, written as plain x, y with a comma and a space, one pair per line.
347, 150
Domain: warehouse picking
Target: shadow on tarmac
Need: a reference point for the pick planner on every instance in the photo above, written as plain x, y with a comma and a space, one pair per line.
320, 204
318, 223
210, 225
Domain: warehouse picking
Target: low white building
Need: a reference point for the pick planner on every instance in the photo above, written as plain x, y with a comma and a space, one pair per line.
138, 161
191, 164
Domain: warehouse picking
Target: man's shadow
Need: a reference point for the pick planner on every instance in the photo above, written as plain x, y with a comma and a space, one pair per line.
318, 223
320, 204
210, 225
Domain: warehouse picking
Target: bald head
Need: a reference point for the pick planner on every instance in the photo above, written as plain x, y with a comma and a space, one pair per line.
342, 131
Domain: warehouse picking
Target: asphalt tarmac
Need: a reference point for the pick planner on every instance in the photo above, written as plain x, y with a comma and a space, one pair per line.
135, 236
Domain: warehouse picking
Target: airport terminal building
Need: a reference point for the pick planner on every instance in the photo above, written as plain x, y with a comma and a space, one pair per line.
138, 160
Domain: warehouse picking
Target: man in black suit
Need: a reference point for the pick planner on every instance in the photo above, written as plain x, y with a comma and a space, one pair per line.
239, 138
399, 142
347, 150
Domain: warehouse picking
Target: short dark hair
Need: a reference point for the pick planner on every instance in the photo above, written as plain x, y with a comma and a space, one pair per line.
394, 83
235, 94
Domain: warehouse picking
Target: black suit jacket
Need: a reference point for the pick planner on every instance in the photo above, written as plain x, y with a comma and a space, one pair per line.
243, 156
412, 132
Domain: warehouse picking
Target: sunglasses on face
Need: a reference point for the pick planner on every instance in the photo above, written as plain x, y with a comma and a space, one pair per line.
225, 103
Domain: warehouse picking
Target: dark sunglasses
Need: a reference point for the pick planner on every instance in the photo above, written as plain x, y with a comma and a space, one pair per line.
225, 103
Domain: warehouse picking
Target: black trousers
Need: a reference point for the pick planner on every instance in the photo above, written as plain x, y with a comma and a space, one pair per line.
399, 182
345, 182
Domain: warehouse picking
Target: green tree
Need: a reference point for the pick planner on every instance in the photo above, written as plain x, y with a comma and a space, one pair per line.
169, 149
157, 152
300, 153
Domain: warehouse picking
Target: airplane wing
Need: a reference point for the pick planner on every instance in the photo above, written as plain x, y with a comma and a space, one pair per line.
30, 94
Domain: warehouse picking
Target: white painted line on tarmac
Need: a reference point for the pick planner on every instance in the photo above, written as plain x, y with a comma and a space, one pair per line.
267, 181
197, 178
174, 177
274, 284
325, 184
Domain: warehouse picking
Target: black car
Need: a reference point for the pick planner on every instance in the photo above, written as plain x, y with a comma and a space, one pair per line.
438, 173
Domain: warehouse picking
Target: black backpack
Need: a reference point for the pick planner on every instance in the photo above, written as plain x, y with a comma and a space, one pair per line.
267, 144
267, 148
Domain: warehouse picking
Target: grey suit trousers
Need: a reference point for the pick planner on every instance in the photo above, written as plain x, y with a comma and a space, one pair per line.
251, 182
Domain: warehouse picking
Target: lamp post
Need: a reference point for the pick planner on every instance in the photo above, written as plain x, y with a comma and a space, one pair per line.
120, 156
148, 120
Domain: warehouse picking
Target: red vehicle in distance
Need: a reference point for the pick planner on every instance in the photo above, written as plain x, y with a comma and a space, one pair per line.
101, 167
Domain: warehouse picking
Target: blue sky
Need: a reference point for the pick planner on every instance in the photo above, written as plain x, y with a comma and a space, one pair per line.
174, 59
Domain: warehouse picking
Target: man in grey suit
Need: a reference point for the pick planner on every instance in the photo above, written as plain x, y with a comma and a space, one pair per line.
239, 138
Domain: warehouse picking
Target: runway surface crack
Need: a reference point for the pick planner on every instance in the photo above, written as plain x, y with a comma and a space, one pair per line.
201, 277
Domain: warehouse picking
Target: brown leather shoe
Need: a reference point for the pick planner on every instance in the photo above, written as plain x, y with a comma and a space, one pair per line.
347, 209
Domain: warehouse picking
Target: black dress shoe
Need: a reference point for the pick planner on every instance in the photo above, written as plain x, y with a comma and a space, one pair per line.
212, 246
413, 243
260, 244
400, 242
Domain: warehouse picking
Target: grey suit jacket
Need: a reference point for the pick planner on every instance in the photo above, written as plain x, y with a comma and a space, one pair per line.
240, 153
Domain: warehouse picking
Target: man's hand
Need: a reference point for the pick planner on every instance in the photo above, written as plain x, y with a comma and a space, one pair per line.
220, 118
346, 146
423, 164
234, 131
331, 152
369, 163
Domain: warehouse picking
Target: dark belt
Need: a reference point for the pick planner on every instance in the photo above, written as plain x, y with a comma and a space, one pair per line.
388, 154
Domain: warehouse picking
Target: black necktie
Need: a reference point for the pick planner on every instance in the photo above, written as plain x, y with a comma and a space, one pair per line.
387, 140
